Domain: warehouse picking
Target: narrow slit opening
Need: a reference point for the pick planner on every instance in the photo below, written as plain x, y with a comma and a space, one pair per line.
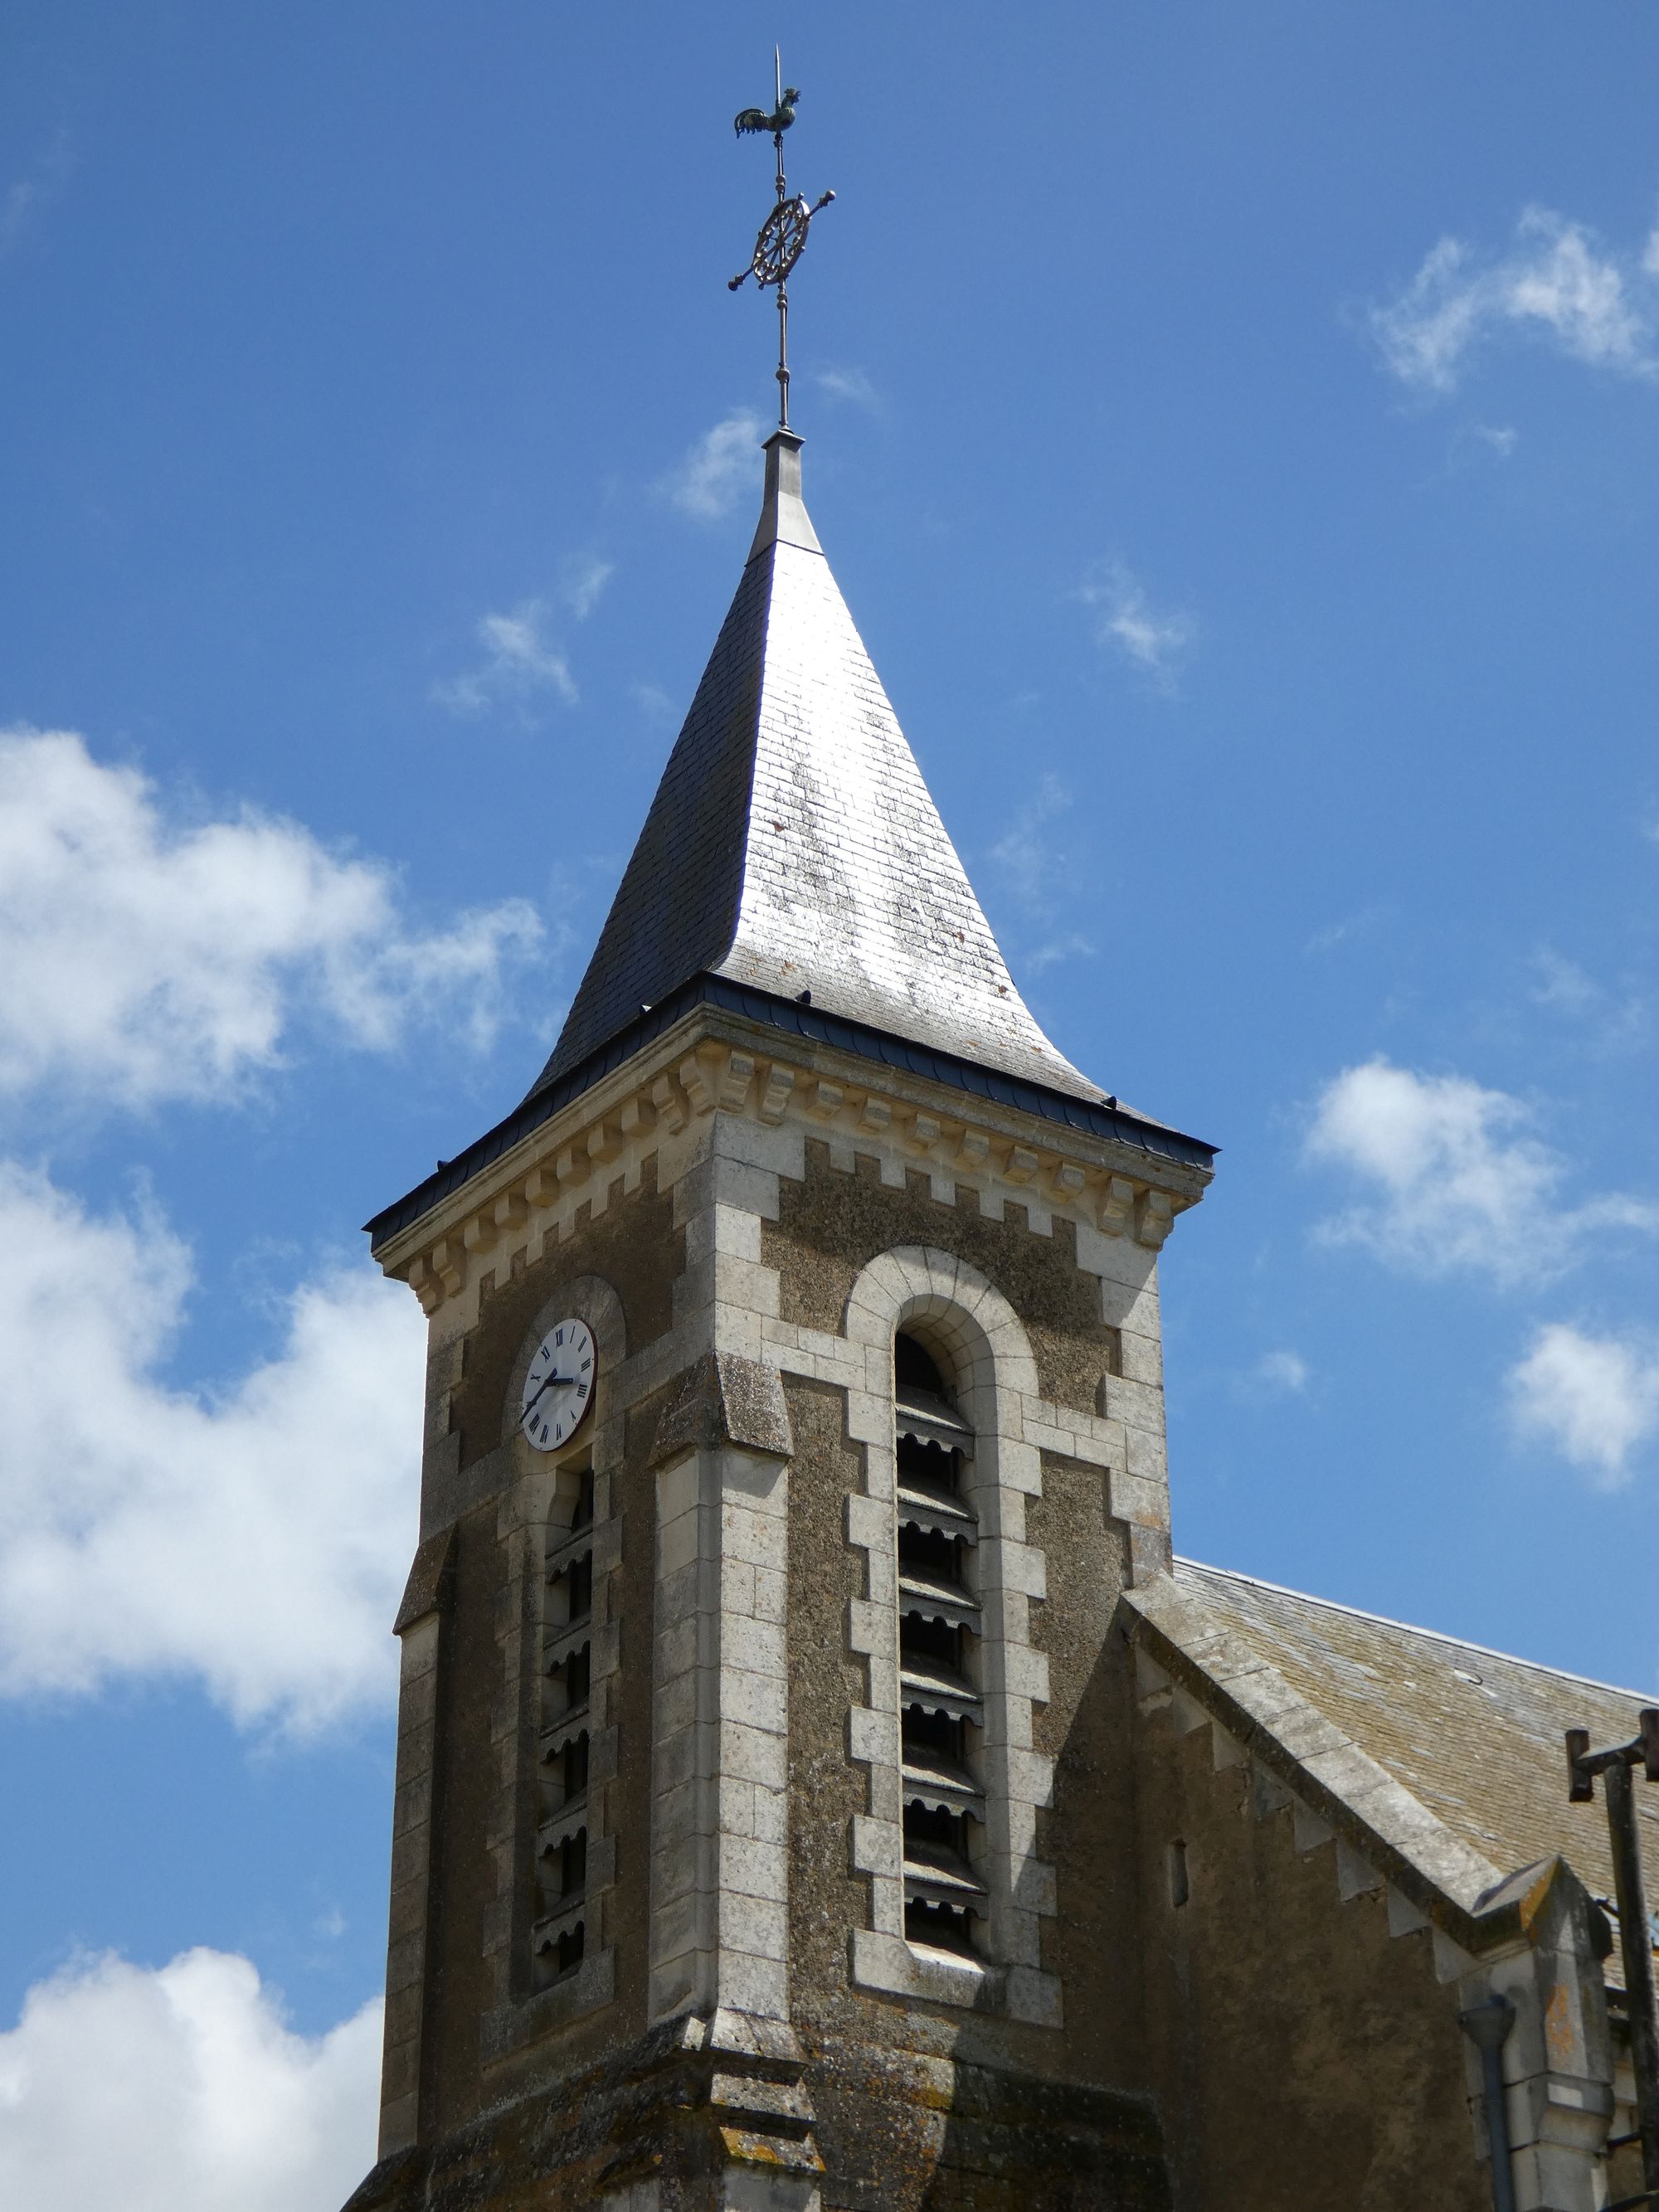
1181, 1888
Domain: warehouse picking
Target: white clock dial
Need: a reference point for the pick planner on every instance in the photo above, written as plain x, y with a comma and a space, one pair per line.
559, 1387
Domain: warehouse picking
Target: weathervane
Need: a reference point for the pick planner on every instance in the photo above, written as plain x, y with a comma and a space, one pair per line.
783, 236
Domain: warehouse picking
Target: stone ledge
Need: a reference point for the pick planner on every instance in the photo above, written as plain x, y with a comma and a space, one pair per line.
890, 1964
725, 1399
663, 2114
511, 2027
431, 1578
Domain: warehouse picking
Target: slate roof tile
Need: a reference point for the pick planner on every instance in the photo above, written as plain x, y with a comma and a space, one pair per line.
793, 845
1475, 1736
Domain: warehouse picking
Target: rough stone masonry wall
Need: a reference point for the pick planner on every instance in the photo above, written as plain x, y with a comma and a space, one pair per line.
915, 2106
634, 1248
834, 1222
830, 1225
1093, 1942
1304, 2055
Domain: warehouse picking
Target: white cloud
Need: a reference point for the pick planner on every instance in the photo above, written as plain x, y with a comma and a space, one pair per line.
519, 664
1611, 1020
1457, 1181
181, 2089
720, 465
1591, 302
1364, 923
254, 1536
582, 578
1127, 620
16, 209
1285, 1372
25, 200
145, 959
1039, 874
1594, 1400
1070, 946
851, 385
522, 664
653, 701
1026, 852
1275, 1377
1563, 985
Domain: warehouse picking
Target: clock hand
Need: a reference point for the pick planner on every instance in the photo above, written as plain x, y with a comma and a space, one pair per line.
547, 1384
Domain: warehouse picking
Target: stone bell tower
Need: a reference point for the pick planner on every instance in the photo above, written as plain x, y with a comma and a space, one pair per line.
763, 1772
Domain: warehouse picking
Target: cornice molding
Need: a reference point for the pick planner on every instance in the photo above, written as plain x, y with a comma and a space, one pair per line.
808, 1027
715, 1062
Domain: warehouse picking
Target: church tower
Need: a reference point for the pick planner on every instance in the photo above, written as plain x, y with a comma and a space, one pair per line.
794, 1423
819, 1789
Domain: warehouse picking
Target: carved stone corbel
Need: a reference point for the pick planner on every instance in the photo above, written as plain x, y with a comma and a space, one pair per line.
1154, 1218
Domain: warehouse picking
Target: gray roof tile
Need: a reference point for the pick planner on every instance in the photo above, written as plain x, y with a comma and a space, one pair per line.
1477, 1737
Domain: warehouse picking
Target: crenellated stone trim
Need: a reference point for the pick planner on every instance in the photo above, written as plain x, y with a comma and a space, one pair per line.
729, 1187
529, 1198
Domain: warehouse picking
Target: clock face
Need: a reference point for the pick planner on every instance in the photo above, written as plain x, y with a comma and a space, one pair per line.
559, 1387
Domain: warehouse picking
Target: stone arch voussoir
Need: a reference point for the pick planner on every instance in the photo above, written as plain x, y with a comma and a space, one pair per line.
962, 1313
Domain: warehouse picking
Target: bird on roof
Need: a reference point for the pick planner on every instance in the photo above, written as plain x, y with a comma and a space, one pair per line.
757, 119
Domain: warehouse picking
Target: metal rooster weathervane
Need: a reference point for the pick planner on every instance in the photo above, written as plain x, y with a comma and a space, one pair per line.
783, 236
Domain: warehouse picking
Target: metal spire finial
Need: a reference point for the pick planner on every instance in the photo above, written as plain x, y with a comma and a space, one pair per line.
783, 236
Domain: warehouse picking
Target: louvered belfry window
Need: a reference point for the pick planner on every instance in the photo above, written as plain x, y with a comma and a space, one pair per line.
939, 1703
559, 1936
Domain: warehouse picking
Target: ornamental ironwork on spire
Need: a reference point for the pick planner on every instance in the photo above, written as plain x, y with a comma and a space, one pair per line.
793, 874
793, 845
781, 238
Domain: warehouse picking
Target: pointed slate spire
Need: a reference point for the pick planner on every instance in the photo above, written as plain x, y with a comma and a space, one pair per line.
793, 845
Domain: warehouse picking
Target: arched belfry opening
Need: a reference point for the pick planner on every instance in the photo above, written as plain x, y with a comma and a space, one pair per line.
940, 1707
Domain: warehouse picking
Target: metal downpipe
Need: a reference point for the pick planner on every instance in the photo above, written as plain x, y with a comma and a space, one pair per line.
1636, 1948
1487, 2028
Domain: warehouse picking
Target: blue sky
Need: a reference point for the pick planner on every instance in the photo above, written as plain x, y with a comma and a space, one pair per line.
1236, 433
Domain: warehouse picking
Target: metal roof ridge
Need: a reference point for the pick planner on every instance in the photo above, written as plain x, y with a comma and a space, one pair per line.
1410, 1628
